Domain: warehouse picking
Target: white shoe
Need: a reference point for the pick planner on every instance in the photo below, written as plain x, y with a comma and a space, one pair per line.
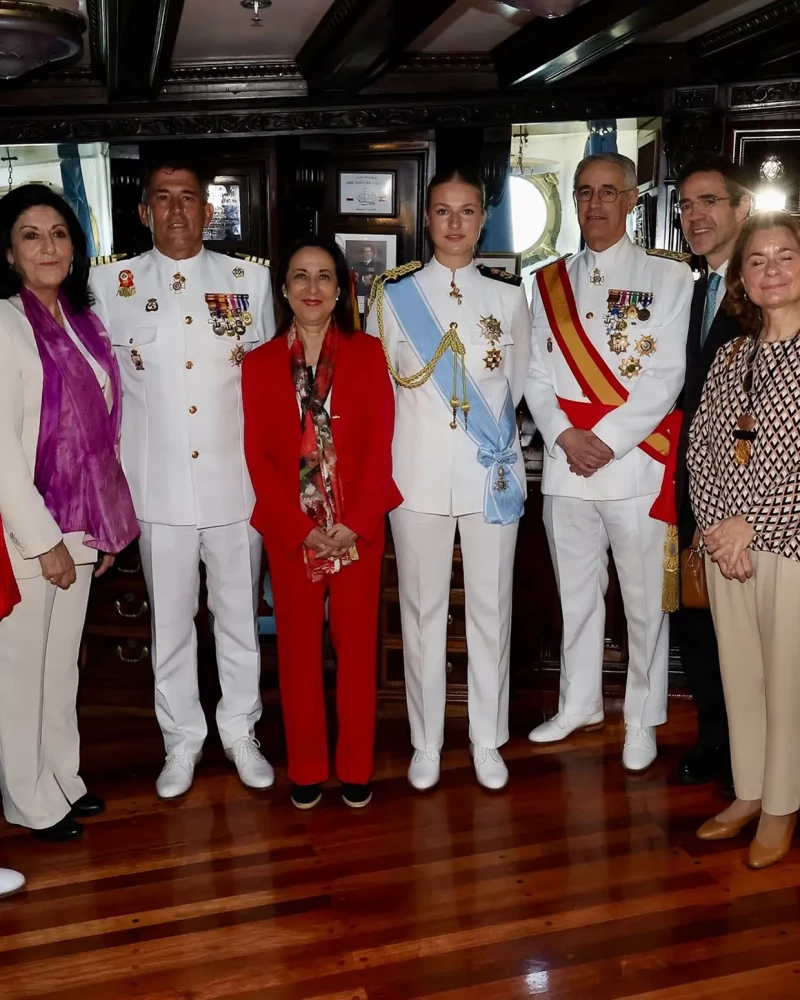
10, 881
561, 726
490, 770
254, 769
176, 775
640, 748
423, 771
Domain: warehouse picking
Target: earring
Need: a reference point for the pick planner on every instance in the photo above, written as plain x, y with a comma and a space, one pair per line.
71, 267
746, 297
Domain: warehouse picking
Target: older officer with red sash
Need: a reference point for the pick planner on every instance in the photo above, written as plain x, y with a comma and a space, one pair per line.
608, 357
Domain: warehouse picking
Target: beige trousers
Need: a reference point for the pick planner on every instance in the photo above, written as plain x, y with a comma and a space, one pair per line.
39, 743
758, 631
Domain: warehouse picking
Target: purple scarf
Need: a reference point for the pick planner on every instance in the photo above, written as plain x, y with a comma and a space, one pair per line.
77, 469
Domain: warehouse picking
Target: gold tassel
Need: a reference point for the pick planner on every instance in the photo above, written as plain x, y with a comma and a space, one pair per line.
670, 594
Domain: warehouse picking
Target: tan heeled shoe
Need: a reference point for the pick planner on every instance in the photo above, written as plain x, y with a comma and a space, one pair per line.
762, 857
717, 829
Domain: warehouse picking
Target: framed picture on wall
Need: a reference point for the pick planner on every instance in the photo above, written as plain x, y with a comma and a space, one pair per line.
368, 254
504, 260
364, 192
229, 229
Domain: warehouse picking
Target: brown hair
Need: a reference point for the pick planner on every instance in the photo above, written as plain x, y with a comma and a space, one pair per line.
737, 304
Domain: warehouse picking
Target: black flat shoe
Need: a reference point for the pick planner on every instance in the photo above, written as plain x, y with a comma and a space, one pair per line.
88, 805
306, 796
703, 765
356, 796
64, 830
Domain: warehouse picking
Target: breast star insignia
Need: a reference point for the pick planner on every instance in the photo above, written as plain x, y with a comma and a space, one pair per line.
630, 367
492, 359
238, 355
646, 346
618, 343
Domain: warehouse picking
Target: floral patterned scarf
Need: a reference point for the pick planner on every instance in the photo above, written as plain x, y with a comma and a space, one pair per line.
320, 487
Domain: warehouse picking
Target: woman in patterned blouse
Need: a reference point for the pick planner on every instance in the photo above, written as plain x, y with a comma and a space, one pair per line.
744, 463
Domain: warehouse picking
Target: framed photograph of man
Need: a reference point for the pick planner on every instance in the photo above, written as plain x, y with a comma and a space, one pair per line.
368, 255
505, 260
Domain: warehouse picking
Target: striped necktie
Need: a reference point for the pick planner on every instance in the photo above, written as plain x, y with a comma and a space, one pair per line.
711, 305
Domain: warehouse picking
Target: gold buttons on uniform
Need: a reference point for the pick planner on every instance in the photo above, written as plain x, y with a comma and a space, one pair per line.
590, 315
195, 454
190, 364
192, 409
189, 321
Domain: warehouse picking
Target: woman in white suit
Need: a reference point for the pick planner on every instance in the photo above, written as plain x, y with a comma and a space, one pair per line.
64, 501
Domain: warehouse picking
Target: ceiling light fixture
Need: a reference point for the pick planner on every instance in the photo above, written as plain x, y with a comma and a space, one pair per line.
544, 8
33, 35
256, 6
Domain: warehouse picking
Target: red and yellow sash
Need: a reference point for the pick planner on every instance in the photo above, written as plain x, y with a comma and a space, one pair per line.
605, 393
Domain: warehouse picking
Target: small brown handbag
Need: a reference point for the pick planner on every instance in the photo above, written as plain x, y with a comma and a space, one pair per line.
694, 590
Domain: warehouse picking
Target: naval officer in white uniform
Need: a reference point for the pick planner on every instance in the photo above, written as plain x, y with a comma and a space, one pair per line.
599, 485
182, 319
455, 473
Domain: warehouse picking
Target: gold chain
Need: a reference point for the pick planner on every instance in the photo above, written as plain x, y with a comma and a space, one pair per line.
450, 341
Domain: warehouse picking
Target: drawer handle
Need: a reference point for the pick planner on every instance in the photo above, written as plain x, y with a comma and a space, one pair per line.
448, 668
132, 569
449, 619
136, 614
143, 654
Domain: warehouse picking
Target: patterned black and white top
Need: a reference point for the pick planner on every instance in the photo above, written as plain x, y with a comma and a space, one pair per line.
767, 489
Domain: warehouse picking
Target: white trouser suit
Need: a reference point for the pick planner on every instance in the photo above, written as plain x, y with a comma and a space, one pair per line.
442, 482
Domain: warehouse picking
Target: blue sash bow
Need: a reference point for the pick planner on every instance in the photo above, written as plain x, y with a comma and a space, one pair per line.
504, 498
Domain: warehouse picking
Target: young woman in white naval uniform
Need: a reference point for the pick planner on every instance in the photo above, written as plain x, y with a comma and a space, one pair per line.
457, 340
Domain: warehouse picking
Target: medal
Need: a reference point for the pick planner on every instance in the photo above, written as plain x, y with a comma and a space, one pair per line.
178, 283
493, 333
618, 343
152, 306
455, 291
492, 359
238, 355
136, 358
238, 272
630, 367
596, 277
501, 483
646, 346
126, 286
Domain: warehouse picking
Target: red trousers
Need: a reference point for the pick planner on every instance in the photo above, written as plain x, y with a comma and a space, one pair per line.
299, 619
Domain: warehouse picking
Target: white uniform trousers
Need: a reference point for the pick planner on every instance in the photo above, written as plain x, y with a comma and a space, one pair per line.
424, 549
579, 533
171, 556
39, 742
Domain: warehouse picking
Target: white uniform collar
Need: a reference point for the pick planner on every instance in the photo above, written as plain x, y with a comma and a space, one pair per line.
183, 266
606, 260
446, 273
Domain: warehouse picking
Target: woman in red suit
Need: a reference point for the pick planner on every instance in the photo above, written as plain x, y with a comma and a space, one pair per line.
319, 418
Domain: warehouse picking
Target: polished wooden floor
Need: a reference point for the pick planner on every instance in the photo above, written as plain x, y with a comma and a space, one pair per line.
578, 882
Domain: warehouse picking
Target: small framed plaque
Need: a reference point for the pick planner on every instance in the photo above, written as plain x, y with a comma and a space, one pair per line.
367, 193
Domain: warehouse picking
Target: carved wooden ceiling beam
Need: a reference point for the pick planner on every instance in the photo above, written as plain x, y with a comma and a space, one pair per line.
132, 44
765, 42
358, 40
545, 51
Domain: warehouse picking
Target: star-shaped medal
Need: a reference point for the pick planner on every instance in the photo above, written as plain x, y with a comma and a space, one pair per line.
630, 367
618, 343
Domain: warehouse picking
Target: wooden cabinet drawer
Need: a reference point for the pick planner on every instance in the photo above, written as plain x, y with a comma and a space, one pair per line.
121, 606
456, 668
116, 673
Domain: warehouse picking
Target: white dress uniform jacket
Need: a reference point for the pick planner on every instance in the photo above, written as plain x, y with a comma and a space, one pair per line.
652, 392
182, 423
436, 468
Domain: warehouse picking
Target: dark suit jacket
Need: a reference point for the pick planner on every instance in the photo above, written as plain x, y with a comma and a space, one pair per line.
362, 422
698, 364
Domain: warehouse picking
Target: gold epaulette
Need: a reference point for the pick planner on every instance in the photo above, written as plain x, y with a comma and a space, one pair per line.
108, 258
253, 260
499, 274
670, 255
393, 275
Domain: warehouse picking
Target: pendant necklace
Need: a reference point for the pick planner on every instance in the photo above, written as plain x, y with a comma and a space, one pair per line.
746, 429
455, 291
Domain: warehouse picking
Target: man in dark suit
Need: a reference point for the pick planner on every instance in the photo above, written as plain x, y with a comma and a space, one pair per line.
714, 203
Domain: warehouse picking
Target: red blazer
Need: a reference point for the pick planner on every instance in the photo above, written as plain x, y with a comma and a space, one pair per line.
362, 421
9, 591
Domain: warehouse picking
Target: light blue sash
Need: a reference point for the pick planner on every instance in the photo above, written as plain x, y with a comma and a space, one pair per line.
504, 498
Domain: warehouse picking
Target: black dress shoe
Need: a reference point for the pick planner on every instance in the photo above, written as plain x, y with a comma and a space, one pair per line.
704, 764
65, 829
306, 796
88, 805
356, 796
